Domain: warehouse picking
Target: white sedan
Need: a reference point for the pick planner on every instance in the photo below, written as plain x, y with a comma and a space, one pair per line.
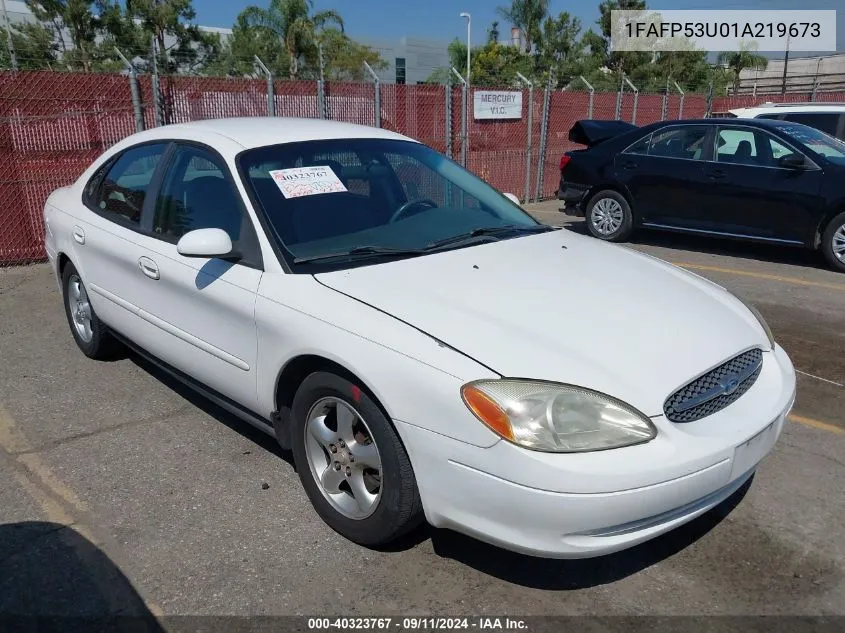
424, 347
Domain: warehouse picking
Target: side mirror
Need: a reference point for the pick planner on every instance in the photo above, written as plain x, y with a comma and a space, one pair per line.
792, 161
205, 243
513, 199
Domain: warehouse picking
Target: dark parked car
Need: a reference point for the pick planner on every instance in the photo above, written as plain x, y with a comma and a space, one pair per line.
771, 181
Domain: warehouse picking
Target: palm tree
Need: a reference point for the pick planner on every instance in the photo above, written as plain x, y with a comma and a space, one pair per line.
527, 16
737, 61
294, 24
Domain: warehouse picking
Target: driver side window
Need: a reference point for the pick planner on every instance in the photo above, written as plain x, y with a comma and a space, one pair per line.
121, 194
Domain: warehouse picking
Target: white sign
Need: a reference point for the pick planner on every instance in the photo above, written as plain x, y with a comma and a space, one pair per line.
497, 104
307, 181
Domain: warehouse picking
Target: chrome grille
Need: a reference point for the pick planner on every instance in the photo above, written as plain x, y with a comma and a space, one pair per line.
716, 389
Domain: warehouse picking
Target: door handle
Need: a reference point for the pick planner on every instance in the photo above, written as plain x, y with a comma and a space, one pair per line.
149, 268
79, 234
630, 165
716, 174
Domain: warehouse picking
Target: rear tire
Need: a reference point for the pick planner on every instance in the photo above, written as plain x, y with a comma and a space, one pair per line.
91, 334
833, 243
609, 216
351, 462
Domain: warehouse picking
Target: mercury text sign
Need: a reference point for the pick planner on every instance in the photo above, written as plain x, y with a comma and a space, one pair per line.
497, 104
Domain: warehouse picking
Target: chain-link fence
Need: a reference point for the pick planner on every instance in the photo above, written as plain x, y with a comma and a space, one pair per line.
54, 124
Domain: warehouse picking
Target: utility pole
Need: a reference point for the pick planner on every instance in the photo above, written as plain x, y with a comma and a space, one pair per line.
9, 42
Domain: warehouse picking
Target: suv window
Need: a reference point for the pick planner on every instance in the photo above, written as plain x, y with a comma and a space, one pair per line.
121, 193
827, 122
682, 141
198, 194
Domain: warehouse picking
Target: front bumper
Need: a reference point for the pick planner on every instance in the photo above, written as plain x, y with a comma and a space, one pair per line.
591, 504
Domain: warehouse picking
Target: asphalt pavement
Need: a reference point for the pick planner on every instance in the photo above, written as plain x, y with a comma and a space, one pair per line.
122, 492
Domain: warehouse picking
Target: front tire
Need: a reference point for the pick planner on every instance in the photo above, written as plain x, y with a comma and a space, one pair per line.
351, 462
609, 216
833, 243
91, 334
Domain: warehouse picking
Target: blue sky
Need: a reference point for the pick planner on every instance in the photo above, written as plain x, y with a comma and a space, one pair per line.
438, 19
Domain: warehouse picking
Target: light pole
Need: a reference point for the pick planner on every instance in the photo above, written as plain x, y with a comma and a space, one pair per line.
469, 47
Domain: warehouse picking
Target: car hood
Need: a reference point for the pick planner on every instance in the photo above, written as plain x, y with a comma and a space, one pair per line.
566, 308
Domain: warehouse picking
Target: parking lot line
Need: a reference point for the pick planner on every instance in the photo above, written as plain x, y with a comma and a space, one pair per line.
831, 382
747, 273
816, 424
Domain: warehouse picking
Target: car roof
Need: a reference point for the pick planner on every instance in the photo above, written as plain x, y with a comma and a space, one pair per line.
251, 132
771, 108
720, 121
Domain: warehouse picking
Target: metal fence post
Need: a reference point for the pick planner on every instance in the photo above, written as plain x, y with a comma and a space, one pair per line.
530, 136
464, 95
544, 129
815, 89
680, 105
157, 104
377, 101
619, 96
135, 91
636, 98
448, 118
664, 106
271, 95
592, 94
9, 43
708, 108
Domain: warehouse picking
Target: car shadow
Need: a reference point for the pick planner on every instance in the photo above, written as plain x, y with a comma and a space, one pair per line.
55, 579
558, 575
791, 255
235, 423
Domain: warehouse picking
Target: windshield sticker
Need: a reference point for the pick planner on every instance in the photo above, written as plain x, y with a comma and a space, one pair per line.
297, 182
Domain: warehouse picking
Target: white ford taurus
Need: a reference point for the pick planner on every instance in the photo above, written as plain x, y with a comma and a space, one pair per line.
422, 345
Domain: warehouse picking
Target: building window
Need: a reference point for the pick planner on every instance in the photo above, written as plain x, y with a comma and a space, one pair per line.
400, 70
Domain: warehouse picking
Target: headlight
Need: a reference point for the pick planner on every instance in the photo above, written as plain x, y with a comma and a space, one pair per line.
762, 321
545, 416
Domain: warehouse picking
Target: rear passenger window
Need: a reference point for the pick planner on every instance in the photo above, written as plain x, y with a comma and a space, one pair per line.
686, 141
640, 147
121, 193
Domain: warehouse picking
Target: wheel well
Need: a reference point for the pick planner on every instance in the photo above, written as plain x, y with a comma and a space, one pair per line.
299, 368
62, 262
822, 226
612, 187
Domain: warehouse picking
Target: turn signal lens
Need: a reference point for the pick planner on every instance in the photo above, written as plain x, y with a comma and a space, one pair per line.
564, 161
486, 410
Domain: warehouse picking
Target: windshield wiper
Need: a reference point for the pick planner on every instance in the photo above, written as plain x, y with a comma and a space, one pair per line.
492, 231
359, 251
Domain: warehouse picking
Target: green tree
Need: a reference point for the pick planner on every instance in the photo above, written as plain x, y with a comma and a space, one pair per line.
527, 16
497, 65
75, 17
294, 25
737, 61
343, 58
35, 47
161, 18
237, 55
560, 49
493, 32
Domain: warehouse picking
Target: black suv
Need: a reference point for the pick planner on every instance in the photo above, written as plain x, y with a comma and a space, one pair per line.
771, 181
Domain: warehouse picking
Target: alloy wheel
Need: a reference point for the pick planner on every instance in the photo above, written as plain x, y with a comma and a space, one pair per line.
343, 458
80, 308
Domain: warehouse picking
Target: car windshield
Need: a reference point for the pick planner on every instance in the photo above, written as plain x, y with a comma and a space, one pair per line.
331, 202
831, 148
